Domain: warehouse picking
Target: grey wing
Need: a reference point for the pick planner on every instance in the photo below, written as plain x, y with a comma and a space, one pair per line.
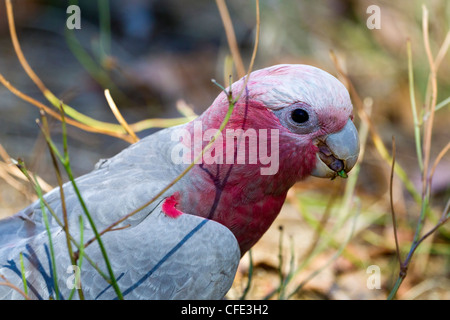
160, 258
153, 257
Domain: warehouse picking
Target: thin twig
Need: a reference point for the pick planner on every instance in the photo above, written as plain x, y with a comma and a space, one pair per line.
231, 37
249, 277
119, 116
18, 50
444, 218
16, 173
412, 98
23, 272
185, 109
432, 106
442, 104
5, 174
391, 197
255, 50
61, 190
12, 286
436, 162
442, 51
280, 288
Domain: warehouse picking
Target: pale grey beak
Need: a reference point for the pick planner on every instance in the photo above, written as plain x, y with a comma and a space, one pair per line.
338, 153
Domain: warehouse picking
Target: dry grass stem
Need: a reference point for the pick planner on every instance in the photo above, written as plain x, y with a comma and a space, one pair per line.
57, 116
436, 162
18, 50
14, 171
12, 286
231, 37
185, 109
431, 107
119, 116
391, 198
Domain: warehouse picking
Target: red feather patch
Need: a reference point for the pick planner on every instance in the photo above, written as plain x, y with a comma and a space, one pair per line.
169, 204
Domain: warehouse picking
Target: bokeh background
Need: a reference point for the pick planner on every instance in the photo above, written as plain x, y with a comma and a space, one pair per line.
153, 53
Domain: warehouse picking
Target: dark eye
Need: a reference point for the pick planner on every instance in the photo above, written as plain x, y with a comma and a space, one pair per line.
299, 116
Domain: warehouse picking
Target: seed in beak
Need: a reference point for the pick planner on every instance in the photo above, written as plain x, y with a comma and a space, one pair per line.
342, 174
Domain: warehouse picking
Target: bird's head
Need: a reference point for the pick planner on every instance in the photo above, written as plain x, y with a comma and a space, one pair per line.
290, 122
310, 108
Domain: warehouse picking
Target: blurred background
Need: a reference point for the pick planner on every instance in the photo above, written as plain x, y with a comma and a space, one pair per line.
152, 53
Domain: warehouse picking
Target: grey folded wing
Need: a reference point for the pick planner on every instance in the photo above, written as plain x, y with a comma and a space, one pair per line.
160, 258
153, 256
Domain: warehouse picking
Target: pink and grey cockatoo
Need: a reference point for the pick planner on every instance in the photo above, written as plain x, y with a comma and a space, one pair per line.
188, 243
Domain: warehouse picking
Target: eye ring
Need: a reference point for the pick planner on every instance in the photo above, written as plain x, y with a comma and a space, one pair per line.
299, 116
304, 121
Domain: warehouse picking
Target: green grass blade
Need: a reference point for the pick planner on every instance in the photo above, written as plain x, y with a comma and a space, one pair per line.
50, 241
22, 271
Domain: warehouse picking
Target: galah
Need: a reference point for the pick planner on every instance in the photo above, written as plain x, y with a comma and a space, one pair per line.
290, 122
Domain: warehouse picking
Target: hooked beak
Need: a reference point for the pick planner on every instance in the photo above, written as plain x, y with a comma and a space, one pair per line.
338, 153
